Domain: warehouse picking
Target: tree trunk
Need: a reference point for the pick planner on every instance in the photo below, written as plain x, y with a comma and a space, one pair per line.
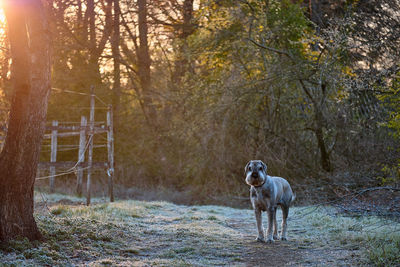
116, 99
97, 42
325, 159
94, 72
144, 63
187, 28
29, 41
117, 62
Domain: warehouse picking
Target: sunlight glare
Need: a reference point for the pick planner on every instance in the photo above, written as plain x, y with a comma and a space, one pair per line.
2, 16
2, 22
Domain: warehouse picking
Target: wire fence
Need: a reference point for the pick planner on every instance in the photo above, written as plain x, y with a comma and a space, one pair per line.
79, 93
74, 168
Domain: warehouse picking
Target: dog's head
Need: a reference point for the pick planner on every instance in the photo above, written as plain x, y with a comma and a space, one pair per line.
256, 172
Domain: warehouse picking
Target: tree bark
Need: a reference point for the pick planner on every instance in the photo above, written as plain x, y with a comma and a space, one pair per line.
117, 63
181, 63
29, 42
325, 159
94, 71
96, 42
144, 63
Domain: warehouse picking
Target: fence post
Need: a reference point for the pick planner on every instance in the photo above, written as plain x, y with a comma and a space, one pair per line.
81, 155
110, 150
90, 152
53, 155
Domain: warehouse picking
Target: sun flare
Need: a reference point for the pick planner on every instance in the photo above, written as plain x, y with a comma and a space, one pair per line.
2, 21
2, 16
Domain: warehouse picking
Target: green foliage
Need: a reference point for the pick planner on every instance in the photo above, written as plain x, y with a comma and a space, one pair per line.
391, 174
244, 100
253, 91
391, 100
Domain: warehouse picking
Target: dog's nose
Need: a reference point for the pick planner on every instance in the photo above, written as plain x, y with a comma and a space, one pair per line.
254, 174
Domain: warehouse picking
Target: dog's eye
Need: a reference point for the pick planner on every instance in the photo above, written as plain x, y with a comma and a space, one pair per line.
260, 168
249, 168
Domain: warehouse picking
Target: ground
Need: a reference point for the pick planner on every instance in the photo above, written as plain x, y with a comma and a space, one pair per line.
139, 233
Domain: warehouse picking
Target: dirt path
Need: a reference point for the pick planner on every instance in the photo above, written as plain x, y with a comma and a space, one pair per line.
288, 253
279, 253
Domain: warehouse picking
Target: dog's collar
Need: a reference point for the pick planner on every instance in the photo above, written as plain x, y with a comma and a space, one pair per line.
258, 186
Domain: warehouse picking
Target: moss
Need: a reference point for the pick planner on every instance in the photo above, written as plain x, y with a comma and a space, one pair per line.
212, 218
17, 245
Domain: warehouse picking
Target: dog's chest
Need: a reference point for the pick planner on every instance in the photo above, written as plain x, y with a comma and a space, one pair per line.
259, 198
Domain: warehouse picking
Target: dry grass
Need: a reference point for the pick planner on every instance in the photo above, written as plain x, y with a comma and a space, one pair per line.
137, 233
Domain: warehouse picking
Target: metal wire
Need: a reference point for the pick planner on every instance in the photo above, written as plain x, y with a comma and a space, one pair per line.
72, 169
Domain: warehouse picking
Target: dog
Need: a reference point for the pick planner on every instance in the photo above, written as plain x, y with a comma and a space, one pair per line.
266, 193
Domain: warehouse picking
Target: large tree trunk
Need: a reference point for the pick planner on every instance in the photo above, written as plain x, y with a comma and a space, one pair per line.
29, 41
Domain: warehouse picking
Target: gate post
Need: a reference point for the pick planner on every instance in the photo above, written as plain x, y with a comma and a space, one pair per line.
90, 152
53, 155
81, 155
110, 150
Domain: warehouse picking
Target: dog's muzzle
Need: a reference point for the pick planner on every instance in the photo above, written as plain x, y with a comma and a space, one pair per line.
255, 179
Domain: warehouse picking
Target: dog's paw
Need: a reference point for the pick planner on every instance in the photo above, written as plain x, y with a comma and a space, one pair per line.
270, 241
260, 239
276, 237
284, 238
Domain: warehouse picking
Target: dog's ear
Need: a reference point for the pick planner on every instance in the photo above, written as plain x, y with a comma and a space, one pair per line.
264, 166
245, 168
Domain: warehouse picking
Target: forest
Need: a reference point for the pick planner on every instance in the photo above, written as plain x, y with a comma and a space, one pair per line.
197, 88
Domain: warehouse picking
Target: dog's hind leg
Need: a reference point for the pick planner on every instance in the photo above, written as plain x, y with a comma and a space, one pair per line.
275, 225
260, 229
285, 213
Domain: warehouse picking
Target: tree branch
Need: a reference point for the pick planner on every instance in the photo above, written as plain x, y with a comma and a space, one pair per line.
270, 48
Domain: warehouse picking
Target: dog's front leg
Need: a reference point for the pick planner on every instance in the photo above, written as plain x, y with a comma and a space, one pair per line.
271, 214
275, 235
260, 229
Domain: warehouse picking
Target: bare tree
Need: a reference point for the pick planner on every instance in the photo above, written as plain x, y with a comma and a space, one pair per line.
144, 63
29, 41
96, 47
115, 40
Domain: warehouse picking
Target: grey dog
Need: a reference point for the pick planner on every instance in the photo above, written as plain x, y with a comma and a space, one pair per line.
266, 193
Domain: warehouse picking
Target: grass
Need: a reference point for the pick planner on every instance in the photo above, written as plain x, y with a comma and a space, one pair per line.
163, 234
377, 239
